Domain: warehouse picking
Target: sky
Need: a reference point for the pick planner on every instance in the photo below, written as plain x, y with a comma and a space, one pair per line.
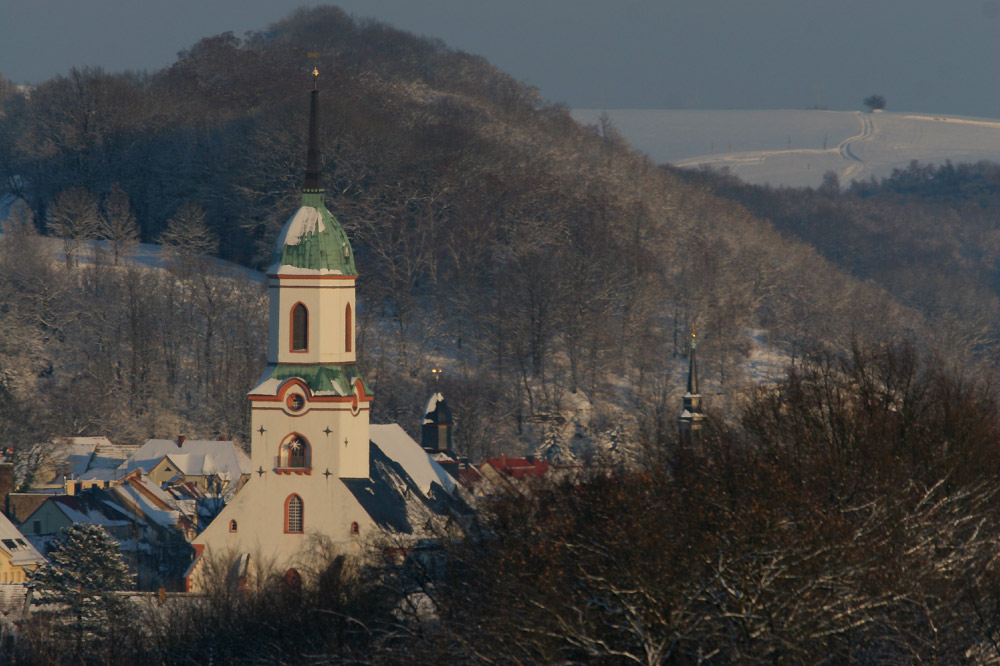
930, 56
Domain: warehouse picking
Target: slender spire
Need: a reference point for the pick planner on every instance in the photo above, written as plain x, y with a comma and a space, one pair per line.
692, 386
313, 180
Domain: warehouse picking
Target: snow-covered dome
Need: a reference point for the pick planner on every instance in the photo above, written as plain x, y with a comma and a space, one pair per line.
313, 241
436, 412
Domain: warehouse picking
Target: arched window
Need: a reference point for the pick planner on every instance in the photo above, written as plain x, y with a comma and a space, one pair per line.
294, 511
295, 452
232, 525
348, 329
300, 328
292, 579
355, 530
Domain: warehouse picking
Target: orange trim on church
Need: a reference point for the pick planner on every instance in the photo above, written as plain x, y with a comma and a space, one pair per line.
287, 276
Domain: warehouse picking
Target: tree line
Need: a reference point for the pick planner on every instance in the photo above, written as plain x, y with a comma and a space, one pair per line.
848, 515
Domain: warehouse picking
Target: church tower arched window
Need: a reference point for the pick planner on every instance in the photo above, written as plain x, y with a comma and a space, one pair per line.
294, 515
295, 453
300, 328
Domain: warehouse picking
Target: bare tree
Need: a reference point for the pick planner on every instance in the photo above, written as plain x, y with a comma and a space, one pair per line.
75, 218
118, 225
188, 239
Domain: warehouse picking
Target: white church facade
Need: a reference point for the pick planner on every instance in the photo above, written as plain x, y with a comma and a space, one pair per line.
319, 468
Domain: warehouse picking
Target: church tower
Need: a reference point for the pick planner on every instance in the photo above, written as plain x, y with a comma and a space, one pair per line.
310, 408
310, 443
691, 420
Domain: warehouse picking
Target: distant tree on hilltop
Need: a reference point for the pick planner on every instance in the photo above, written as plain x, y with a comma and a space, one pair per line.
874, 102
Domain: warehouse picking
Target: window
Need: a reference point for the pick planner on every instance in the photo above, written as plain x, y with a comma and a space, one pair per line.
295, 452
292, 579
300, 328
355, 530
293, 515
37, 524
348, 329
232, 525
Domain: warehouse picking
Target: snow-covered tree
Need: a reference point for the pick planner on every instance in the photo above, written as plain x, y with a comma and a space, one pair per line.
118, 225
80, 586
75, 218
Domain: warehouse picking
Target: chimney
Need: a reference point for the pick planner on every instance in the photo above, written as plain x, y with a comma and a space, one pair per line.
180, 441
71, 486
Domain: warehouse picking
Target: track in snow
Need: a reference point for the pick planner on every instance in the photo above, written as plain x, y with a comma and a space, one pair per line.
846, 149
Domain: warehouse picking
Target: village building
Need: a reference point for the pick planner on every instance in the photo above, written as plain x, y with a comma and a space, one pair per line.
17, 555
214, 467
320, 472
152, 529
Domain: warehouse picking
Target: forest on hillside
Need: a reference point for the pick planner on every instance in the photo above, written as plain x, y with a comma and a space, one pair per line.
550, 270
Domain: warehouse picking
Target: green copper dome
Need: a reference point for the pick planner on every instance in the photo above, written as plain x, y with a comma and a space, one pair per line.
313, 240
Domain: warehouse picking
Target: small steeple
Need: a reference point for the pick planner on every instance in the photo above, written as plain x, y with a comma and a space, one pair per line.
313, 179
690, 421
692, 386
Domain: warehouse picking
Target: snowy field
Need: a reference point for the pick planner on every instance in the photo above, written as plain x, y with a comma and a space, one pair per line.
795, 148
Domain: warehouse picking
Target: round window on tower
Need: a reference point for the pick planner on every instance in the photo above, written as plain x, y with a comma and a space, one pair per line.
295, 402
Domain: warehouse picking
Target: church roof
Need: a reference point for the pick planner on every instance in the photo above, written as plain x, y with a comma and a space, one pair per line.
335, 380
313, 242
437, 412
405, 488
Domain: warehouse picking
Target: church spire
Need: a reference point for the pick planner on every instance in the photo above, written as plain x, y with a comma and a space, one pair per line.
691, 419
692, 385
313, 179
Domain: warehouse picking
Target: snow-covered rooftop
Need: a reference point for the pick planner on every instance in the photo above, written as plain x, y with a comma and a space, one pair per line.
193, 457
400, 447
13, 543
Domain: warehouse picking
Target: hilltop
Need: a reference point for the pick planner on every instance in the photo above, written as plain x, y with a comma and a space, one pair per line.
796, 148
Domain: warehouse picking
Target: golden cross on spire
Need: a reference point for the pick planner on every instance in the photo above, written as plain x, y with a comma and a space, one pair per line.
437, 376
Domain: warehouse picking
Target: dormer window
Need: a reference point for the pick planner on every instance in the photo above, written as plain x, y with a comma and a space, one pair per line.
300, 328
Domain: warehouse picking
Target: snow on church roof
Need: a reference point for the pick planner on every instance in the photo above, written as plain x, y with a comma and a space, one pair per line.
406, 491
307, 220
401, 448
432, 403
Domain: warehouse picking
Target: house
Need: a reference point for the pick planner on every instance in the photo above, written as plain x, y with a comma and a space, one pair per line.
64, 458
320, 472
17, 555
17, 559
88, 461
216, 467
150, 527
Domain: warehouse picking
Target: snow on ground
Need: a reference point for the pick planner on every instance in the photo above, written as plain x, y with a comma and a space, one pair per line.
144, 255
795, 148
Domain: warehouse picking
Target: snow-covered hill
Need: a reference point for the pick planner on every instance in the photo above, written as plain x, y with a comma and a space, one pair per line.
795, 148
